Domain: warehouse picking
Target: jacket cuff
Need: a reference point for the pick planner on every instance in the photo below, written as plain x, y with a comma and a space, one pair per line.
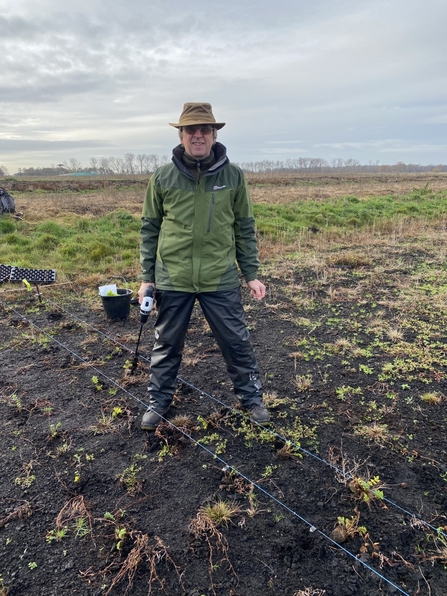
146, 278
251, 276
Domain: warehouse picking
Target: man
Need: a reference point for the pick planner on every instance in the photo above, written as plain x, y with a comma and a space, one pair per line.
197, 225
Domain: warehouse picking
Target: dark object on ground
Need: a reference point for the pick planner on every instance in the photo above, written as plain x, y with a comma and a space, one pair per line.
117, 307
6, 202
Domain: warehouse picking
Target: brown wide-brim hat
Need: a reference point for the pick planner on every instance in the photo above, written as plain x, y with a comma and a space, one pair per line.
197, 113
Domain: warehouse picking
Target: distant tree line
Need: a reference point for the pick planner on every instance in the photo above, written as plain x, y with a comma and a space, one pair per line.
131, 164
319, 165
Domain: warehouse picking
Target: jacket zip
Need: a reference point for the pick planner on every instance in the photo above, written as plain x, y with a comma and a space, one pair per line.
210, 216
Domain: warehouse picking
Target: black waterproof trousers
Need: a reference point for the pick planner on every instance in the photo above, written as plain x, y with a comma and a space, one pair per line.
225, 315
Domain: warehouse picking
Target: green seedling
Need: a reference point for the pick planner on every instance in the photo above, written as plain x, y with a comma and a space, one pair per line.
129, 476
54, 430
117, 411
268, 471
348, 527
77, 457
56, 535
203, 423
16, 402
96, 383
367, 490
26, 480
345, 392
64, 447
120, 536
81, 527
166, 450
252, 509
366, 369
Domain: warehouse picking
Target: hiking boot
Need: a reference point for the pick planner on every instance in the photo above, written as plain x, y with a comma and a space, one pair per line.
151, 418
259, 413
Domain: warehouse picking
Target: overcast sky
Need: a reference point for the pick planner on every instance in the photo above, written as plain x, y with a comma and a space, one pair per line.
291, 78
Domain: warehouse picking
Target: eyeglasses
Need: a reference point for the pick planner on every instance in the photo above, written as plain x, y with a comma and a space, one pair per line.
205, 129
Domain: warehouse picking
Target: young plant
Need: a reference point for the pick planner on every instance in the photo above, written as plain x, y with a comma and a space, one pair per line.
303, 382
64, 447
121, 533
220, 445
268, 471
16, 402
166, 451
77, 457
367, 490
96, 383
289, 451
348, 527
129, 476
54, 430
117, 411
81, 527
26, 480
56, 535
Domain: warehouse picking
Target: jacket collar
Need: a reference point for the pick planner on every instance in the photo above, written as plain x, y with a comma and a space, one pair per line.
220, 152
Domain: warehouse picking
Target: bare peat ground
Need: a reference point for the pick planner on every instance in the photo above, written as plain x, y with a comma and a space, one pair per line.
354, 367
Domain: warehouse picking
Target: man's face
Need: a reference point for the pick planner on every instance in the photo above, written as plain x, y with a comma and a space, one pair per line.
198, 140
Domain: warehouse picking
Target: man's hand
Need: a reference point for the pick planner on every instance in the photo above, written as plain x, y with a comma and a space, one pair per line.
257, 289
141, 290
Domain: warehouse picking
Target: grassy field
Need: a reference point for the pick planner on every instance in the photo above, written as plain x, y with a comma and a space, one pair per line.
80, 231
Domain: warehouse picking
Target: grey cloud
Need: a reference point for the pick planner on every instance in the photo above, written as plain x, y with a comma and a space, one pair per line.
43, 145
330, 75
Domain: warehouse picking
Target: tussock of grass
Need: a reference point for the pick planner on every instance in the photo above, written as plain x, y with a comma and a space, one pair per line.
221, 512
431, 398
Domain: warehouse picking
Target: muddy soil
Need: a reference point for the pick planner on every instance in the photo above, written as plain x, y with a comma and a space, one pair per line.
344, 494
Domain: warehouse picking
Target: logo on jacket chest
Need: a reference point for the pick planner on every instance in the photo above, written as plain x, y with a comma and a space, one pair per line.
219, 187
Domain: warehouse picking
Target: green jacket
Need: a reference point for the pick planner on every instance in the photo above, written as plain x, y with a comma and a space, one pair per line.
194, 232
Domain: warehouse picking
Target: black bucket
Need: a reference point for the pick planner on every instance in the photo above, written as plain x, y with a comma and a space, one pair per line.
117, 307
